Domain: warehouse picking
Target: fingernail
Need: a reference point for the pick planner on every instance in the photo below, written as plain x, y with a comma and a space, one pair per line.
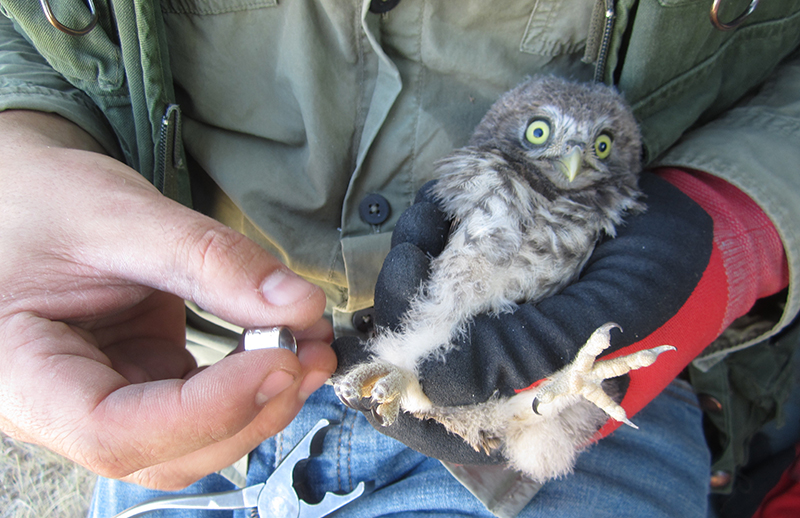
275, 383
311, 383
284, 287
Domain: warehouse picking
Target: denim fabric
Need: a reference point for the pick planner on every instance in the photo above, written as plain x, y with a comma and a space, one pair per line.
660, 470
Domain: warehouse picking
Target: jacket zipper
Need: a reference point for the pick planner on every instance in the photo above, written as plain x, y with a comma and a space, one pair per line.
605, 42
168, 157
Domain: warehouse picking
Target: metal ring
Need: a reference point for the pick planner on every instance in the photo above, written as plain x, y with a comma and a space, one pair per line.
736, 22
48, 13
279, 337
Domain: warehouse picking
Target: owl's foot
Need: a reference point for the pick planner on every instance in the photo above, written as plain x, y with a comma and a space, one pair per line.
374, 387
584, 376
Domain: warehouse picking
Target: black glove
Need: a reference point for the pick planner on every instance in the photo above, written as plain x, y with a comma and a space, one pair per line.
640, 280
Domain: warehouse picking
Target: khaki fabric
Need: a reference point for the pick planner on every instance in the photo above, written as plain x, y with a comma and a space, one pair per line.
311, 106
299, 109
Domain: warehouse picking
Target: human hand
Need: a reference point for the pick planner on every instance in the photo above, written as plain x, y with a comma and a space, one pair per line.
95, 267
641, 279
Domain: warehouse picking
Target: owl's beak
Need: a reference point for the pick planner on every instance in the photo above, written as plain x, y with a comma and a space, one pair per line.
570, 163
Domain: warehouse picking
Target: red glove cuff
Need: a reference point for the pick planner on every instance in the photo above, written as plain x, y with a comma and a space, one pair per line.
752, 252
747, 262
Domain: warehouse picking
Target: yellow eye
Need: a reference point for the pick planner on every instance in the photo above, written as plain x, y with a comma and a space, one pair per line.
602, 146
538, 132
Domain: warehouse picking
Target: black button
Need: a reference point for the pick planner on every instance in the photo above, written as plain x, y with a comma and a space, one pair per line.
382, 6
374, 209
364, 320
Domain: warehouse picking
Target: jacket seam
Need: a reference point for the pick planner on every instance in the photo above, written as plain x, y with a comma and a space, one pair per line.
222, 9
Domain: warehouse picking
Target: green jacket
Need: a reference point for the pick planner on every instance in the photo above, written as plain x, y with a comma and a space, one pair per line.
118, 84
307, 107
317, 104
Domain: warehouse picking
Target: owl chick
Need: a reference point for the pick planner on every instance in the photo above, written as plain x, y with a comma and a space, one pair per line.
551, 167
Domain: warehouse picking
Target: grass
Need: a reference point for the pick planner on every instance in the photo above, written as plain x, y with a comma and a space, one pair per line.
36, 483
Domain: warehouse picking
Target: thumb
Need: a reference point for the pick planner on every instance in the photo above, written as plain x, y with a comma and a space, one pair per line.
232, 277
164, 245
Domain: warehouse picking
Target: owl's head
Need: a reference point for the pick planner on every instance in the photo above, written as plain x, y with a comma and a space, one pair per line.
575, 135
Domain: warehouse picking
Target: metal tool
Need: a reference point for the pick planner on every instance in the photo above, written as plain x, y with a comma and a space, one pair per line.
276, 497
269, 338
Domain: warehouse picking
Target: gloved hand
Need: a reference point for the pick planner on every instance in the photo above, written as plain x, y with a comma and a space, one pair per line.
662, 279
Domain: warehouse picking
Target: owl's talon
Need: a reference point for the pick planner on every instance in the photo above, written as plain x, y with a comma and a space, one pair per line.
487, 444
629, 423
363, 405
346, 403
346, 396
377, 416
535, 406
385, 413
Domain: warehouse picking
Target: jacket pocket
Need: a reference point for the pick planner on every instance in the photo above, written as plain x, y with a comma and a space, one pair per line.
90, 61
677, 70
557, 27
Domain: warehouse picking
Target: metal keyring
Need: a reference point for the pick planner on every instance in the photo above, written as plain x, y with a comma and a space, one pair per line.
734, 23
48, 13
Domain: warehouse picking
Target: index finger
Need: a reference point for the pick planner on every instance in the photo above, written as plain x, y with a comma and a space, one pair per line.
64, 394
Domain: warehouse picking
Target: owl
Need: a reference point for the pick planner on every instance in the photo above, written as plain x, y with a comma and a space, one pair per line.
552, 167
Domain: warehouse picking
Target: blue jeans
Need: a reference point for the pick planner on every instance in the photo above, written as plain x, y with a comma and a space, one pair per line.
660, 470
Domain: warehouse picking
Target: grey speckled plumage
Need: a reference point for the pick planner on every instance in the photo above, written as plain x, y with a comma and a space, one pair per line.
551, 167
